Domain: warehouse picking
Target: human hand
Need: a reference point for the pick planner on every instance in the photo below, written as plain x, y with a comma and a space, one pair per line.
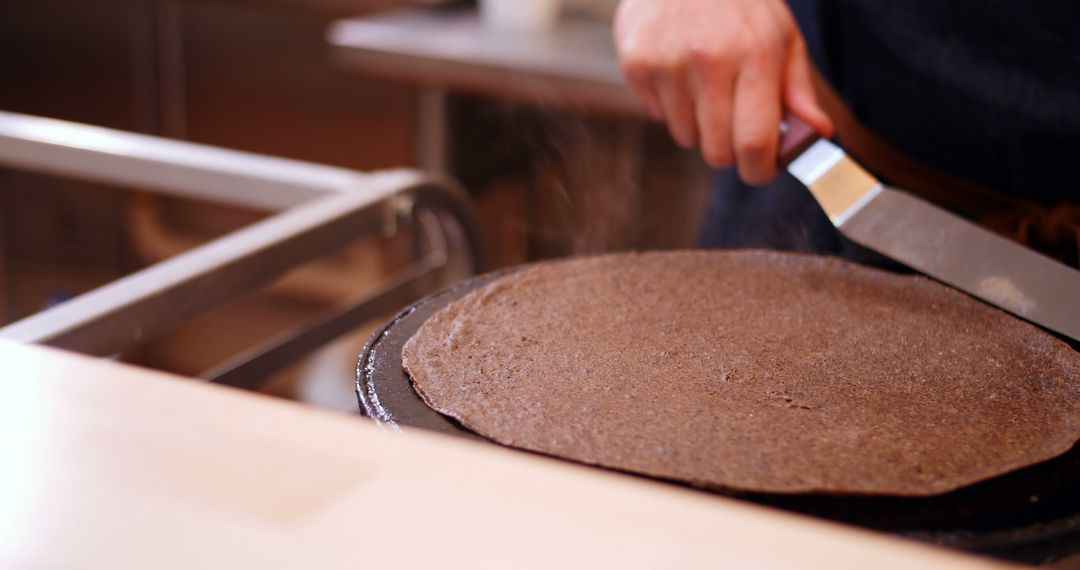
720, 73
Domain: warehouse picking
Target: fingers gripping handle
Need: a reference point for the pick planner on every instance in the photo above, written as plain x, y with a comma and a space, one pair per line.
795, 137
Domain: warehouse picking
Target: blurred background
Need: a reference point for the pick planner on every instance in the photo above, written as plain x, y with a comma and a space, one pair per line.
555, 156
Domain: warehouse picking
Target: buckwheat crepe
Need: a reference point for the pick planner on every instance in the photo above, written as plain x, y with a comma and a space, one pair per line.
751, 371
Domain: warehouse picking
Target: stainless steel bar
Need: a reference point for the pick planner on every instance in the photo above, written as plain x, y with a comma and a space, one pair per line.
184, 169
450, 227
145, 304
324, 209
250, 368
447, 253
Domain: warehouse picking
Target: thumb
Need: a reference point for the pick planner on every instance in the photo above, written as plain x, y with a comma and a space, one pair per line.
798, 96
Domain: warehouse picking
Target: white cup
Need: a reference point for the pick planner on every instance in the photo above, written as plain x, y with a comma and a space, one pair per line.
520, 15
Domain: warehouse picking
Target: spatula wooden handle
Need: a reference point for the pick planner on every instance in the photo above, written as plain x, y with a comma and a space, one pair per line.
795, 137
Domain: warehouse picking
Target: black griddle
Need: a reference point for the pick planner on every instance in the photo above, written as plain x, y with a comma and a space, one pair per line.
1030, 516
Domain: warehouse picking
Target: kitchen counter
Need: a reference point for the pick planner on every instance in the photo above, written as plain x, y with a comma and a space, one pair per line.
572, 65
110, 466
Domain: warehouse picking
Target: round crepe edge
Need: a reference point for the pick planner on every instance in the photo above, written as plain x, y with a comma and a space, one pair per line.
449, 312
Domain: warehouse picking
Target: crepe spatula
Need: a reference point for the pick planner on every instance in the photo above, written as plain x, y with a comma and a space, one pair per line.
930, 239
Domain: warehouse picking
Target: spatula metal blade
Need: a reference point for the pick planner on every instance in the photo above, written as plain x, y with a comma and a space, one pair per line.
940, 244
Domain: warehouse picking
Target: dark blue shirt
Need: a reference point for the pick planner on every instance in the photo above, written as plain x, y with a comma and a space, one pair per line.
985, 89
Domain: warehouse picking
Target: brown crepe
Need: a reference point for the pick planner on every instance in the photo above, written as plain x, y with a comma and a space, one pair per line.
751, 371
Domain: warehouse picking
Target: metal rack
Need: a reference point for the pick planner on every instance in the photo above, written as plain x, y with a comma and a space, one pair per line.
318, 209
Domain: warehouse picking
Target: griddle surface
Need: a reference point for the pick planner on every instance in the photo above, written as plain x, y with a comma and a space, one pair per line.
1031, 516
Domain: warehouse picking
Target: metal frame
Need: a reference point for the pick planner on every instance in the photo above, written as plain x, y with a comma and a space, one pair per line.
320, 209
